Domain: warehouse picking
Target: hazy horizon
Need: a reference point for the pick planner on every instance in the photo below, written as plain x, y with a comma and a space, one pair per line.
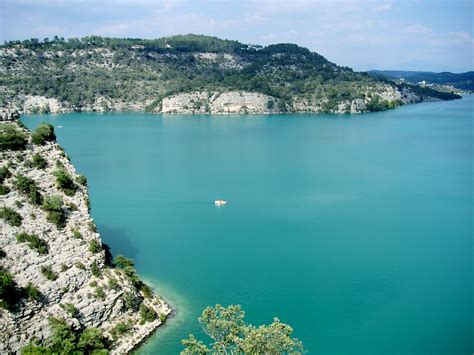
386, 35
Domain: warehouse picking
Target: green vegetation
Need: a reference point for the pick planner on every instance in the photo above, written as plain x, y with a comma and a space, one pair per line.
4, 173
76, 234
66, 340
42, 134
4, 189
8, 290
48, 272
149, 70
10, 216
71, 310
80, 266
11, 138
34, 242
147, 314
113, 284
121, 328
99, 292
230, 334
95, 271
53, 205
65, 182
32, 292
28, 187
39, 162
81, 180
95, 246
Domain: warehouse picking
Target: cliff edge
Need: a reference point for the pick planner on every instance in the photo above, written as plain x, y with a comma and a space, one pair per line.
54, 267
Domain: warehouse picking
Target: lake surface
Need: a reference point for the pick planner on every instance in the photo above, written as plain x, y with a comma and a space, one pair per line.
355, 230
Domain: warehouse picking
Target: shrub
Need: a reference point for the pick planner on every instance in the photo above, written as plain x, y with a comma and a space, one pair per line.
28, 187
163, 317
4, 189
53, 205
8, 290
10, 216
99, 293
71, 206
122, 262
81, 180
12, 138
71, 310
131, 301
95, 246
32, 292
65, 182
34, 242
95, 269
43, 133
146, 290
147, 314
92, 227
93, 284
76, 234
64, 267
80, 266
121, 328
48, 272
113, 284
4, 173
39, 162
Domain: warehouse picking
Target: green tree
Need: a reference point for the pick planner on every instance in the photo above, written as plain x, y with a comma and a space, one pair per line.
231, 335
43, 133
11, 138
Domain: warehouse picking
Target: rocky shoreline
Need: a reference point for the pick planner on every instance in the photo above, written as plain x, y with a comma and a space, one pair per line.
230, 102
65, 261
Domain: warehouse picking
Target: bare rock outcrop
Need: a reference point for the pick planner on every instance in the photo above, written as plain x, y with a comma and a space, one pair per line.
73, 277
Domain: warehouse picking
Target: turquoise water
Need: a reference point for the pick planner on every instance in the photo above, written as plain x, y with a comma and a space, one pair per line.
356, 230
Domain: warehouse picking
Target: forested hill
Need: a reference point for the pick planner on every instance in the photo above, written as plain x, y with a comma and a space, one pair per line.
188, 73
463, 81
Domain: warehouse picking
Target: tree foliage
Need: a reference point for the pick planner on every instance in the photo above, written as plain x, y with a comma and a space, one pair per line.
231, 335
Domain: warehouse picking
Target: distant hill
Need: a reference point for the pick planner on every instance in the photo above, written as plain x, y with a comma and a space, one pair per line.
463, 81
188, 74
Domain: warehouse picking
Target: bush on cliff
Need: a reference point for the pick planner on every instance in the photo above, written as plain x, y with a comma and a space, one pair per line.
28, 187
53, 205
66, 340
39, 162
43, 133
65, 182
8, 290
10, 216
34, 242
12, 138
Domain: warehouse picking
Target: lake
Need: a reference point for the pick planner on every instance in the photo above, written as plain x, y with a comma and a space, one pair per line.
354, 229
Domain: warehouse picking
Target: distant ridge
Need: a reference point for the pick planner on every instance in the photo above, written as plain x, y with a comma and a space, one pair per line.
463, 81
189, 74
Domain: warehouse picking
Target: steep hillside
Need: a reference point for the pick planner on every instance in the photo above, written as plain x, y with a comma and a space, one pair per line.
58, 286
186, 74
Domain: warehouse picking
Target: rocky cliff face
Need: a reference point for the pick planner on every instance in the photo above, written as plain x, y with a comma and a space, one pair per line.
70, 272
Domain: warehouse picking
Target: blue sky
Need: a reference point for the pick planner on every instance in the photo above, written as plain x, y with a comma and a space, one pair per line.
364, 34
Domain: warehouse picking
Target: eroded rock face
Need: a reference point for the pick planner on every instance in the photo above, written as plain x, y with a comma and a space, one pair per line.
233, 102
70, 259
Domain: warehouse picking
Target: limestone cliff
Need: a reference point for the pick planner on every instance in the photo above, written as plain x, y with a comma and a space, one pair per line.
61, 262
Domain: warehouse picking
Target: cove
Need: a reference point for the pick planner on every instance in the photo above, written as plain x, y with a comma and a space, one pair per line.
355, 230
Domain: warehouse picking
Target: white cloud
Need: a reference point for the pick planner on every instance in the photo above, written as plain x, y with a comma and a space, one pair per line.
417, 29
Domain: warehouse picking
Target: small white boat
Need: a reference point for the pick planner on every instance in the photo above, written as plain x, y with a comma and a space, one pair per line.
59, 126
220, 202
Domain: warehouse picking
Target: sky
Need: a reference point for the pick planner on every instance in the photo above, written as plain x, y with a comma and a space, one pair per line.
432, 35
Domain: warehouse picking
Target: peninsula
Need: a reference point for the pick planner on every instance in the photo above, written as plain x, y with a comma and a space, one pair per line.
60, 290
189, 74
